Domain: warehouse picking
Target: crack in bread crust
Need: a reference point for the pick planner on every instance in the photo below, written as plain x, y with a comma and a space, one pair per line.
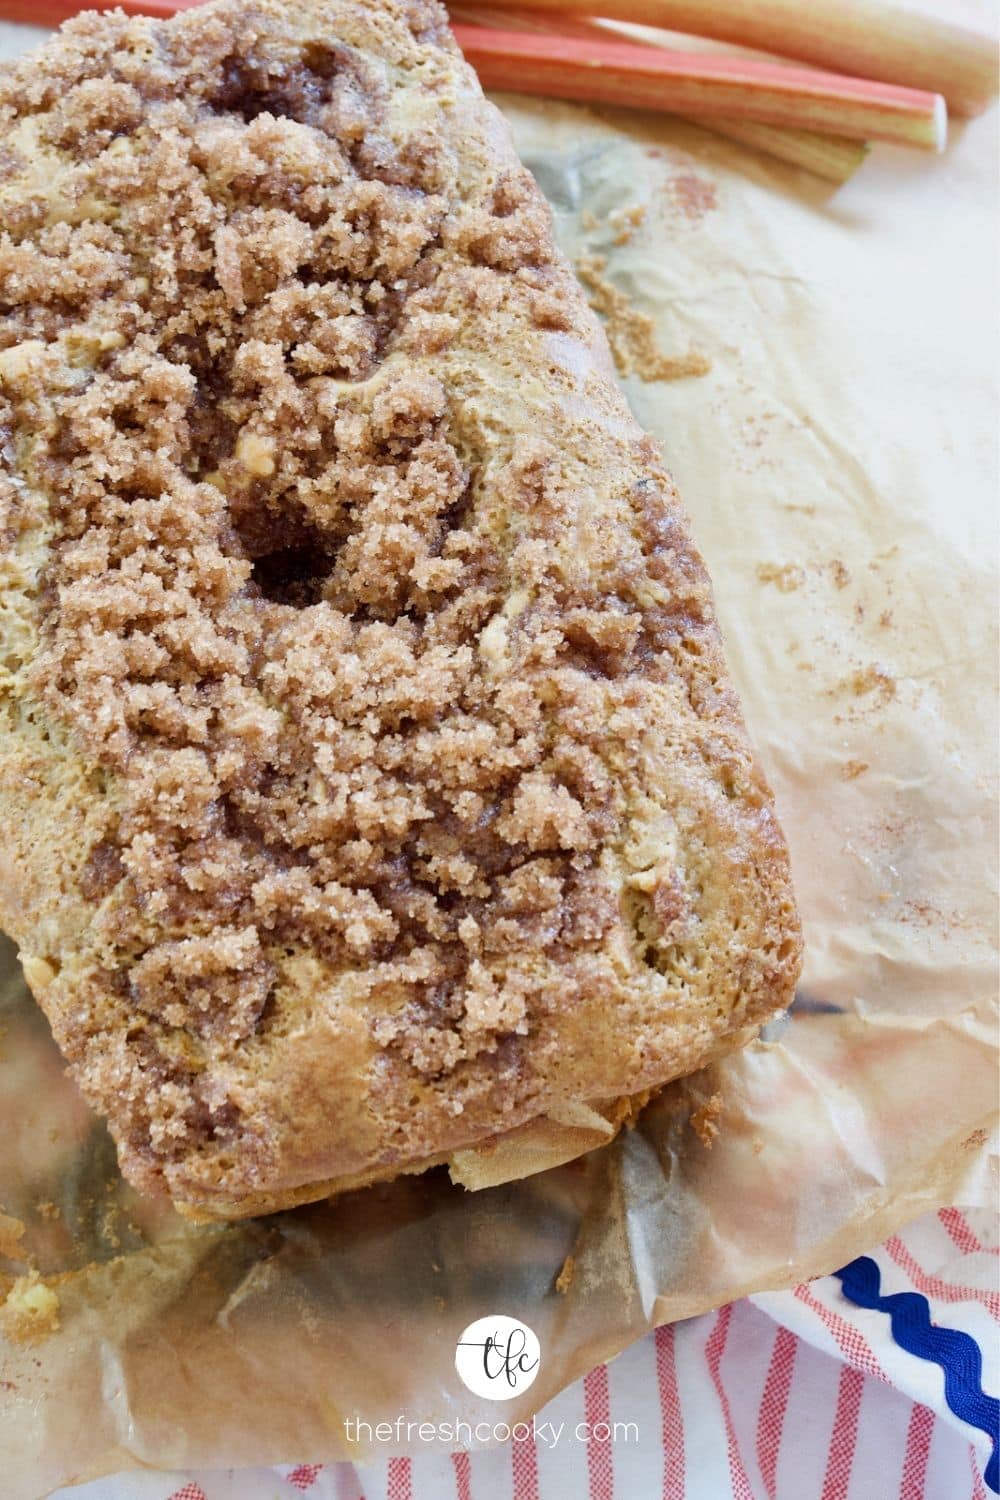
359, 667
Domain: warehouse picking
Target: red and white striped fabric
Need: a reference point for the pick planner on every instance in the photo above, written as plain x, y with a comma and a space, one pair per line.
793, 1395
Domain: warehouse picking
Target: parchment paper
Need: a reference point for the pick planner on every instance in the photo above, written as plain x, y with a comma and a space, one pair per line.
839, 461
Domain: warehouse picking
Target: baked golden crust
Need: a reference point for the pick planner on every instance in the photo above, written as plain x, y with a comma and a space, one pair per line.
370, 781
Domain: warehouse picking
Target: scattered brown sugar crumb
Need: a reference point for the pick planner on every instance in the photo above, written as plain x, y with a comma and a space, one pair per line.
883, 557
703, 1120
923, 914
30, 1311
873, 679
11, 1234
109, 1221
50, 1210
841, 577
695, 197
565, 1278
785, 576
631, 333
633, 1106
626, 221
975, 1140
851, 769
885, 619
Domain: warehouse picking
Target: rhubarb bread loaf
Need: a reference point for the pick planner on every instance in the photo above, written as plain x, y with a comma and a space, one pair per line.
371, 786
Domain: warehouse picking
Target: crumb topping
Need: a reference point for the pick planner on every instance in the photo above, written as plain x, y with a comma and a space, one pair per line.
29, 1311
632, 333
343, 646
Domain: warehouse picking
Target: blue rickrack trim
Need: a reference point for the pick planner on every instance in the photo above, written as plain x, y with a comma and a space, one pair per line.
958, 1355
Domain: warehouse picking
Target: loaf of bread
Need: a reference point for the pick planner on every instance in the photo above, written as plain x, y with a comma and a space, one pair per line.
371, 787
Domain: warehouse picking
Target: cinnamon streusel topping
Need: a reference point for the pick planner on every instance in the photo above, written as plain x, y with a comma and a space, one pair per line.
351, 598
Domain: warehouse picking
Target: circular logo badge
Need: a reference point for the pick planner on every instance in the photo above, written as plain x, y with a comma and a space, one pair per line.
497, 1357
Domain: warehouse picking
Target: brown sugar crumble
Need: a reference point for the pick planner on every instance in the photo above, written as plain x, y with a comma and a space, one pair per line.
692, 196
631, 333
625, 222
368, 748
11, 1235
565, 1278
29, 1311
704, 1120
874, 679
785, 576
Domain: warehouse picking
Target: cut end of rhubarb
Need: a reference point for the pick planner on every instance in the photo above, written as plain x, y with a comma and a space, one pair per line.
940, 123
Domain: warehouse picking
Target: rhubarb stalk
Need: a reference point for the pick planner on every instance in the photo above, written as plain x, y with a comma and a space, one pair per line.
831, 157
917, 44
631, 76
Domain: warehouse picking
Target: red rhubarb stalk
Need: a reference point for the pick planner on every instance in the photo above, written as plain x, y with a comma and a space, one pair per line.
942, 46
694, 84
831, 157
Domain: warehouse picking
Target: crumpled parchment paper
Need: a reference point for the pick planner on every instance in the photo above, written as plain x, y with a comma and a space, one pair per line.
839, 461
